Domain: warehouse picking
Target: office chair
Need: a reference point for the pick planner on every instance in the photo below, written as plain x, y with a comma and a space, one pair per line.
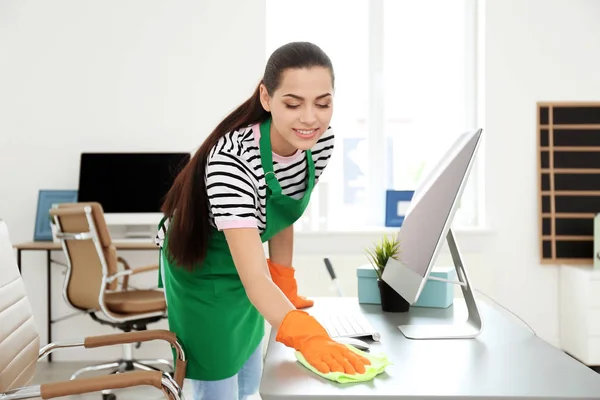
20, 352
93, 283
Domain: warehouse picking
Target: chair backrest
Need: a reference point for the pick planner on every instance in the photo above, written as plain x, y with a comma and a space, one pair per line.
87, 263
19, 338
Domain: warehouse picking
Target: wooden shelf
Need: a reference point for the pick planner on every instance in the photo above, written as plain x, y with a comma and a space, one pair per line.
569, 215
572, 170
568, 180
572, 148
567, 238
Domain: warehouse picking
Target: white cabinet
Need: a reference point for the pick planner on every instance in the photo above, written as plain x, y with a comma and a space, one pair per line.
579, 313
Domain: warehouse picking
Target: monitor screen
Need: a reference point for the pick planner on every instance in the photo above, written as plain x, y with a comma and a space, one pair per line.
128, 182
431, 209
430, 215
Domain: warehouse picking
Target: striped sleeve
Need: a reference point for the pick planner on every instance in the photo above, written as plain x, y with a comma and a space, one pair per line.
231, 191
322, 152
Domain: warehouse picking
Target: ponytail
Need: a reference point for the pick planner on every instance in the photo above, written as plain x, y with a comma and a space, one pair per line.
186, 203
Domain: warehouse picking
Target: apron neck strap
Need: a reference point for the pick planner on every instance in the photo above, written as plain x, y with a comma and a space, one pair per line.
266, 156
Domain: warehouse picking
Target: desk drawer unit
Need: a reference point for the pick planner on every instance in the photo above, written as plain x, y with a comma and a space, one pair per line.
579, 312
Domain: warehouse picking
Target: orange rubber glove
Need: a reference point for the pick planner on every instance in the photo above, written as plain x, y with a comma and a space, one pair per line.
303, 333
284, 278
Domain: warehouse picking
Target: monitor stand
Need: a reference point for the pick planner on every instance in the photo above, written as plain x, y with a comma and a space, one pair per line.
133, 227
457, 330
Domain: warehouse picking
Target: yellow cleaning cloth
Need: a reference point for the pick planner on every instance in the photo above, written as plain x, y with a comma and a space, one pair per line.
378, 364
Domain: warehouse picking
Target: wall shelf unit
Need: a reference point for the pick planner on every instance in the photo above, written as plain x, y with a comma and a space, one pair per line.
568, 180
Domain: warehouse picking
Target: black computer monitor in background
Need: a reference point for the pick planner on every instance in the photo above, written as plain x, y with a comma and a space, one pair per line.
129, 186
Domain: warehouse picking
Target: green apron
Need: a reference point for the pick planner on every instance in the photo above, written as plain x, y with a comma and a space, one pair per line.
209, 310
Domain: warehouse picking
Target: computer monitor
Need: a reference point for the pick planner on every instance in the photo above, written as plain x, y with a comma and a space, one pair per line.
426, 225
129, 186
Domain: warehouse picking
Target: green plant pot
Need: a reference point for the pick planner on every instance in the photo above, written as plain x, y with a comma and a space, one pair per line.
391, 301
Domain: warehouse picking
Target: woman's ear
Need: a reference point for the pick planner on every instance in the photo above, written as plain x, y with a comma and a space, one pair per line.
264, 98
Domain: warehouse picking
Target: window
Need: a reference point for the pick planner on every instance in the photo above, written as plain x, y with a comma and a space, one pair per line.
405, 88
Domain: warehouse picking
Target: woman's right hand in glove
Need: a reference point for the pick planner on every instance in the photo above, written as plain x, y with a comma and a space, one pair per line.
302, 332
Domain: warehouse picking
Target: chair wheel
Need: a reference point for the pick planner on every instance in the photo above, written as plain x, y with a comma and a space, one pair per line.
109, 396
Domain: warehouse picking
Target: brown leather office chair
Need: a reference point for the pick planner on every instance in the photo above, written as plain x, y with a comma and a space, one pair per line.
19, 347
94, 284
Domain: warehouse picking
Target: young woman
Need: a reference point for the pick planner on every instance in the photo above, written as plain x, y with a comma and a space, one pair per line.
248, 183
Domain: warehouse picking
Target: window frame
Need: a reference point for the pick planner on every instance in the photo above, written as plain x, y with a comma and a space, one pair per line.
314, 232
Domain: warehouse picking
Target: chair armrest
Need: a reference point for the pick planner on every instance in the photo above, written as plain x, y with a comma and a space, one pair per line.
146, 268
91, 342
128, 271
110, 382
125, 283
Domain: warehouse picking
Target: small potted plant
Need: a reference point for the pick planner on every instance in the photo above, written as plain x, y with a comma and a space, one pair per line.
378, 256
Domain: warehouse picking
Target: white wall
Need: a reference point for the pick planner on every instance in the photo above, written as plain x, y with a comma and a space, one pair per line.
143, 75
79, 75
536, 50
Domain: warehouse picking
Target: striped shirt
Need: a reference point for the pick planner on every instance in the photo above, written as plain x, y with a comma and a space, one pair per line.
235, 180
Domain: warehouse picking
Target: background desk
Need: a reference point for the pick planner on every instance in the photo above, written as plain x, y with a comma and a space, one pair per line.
506, 361
49, 247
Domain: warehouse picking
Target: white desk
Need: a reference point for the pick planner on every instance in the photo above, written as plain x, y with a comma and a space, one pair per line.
505, 361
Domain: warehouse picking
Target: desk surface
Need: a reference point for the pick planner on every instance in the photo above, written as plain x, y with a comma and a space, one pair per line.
146, 245
505, 361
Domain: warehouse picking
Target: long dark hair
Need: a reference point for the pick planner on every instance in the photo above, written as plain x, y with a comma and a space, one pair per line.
186, 203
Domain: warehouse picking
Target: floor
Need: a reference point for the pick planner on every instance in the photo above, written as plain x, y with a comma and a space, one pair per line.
57, 371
